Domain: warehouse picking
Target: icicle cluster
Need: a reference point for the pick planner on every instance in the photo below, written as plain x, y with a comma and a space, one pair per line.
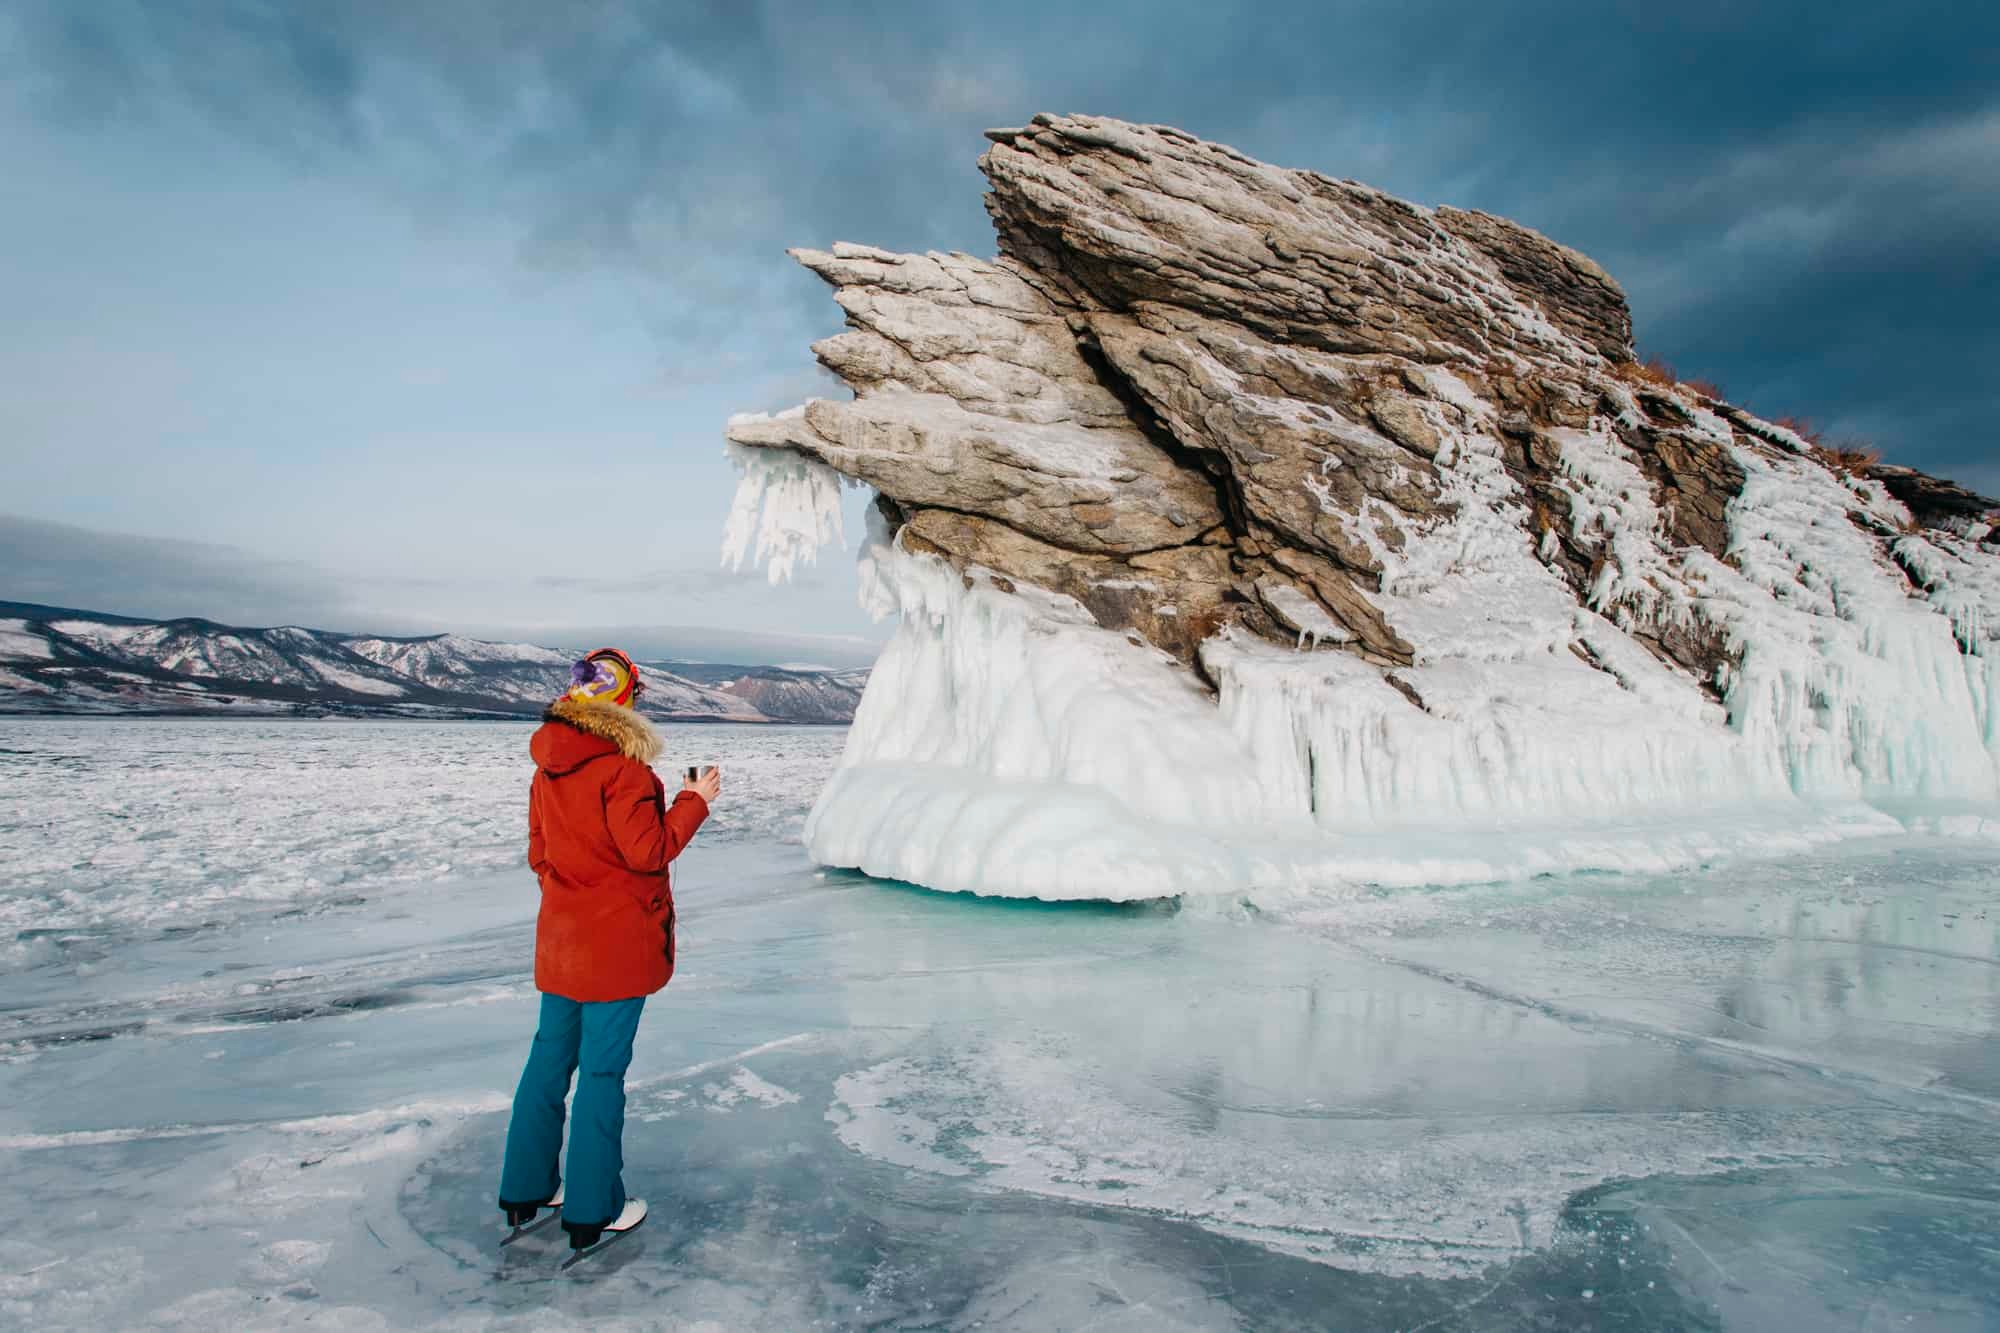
786, 508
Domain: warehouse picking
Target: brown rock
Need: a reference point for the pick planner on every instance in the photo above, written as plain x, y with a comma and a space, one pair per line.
1198, 391
1173, 598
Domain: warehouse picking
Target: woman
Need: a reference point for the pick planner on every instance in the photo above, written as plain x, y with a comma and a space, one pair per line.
600, 837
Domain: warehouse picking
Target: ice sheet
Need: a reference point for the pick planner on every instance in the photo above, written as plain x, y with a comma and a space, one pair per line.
172, 825
1755, 1095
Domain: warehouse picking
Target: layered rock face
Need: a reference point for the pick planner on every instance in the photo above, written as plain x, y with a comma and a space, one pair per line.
1217, 407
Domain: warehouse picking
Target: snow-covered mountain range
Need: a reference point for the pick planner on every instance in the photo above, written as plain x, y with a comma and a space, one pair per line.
58, 660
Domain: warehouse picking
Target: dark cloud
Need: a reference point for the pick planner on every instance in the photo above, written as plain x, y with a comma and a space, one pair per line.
1798, 196
57, 564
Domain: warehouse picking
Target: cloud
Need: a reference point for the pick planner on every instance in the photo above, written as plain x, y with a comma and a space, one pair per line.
1798, 196
78, 568
57, 564
1842, 273
698, 584
696, 643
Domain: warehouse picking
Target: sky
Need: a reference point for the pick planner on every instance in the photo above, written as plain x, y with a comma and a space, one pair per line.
411, 317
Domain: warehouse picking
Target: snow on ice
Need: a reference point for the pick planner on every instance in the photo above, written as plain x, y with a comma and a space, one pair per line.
151, 825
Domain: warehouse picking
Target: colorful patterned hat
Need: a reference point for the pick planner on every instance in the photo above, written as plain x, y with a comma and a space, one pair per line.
606, 675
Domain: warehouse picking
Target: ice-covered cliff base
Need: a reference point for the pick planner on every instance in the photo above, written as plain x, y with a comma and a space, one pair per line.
1010, 746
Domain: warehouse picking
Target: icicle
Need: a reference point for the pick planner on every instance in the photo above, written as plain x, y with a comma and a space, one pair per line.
787, 505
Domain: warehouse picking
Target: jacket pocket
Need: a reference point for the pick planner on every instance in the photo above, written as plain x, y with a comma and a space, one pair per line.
670, 937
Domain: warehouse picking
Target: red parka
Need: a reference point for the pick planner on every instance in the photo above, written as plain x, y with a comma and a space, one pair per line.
600, 835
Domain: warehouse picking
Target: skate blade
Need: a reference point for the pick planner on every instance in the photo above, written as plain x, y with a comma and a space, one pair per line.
519, 1233
610, 1238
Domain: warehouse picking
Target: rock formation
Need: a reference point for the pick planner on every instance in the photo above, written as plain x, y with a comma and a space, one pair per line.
1218, 402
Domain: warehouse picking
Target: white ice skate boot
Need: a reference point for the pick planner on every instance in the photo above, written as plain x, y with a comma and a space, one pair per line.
585, 1241
630, 1216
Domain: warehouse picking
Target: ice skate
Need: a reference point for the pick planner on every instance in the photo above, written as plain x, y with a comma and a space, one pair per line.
585, 1241
524, 1219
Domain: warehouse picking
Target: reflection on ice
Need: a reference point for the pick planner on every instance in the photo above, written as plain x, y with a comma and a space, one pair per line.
1424, 1095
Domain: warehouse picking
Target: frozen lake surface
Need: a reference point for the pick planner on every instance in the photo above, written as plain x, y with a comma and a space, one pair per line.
264, 992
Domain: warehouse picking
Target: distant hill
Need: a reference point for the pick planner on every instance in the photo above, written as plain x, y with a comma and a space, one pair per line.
59, 660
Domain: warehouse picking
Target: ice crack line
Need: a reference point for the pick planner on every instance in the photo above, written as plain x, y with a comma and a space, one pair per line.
708, 1066
358, 1120
1589, 1022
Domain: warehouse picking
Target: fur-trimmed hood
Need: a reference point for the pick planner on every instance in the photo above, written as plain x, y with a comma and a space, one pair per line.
629, 733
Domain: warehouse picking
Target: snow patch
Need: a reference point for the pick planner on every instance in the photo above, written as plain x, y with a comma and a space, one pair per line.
1314, 624
352, 681
744, 1086
19, 643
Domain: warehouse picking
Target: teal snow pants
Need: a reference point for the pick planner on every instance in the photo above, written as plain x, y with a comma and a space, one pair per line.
596, 1038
